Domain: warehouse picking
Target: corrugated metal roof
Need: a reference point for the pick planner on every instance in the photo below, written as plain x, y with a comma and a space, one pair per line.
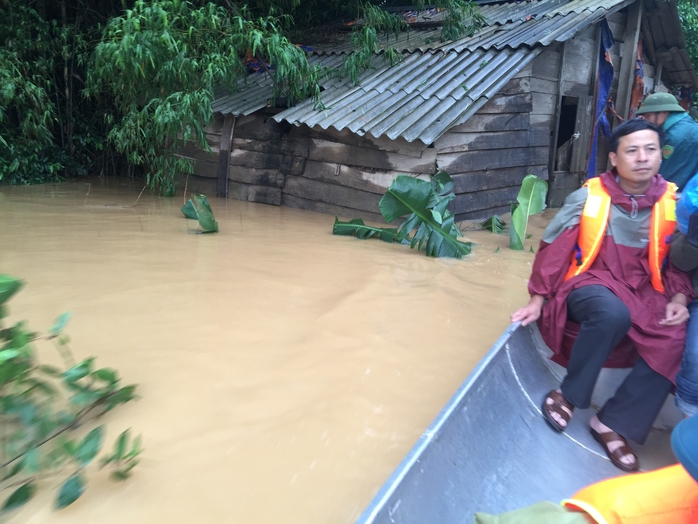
554, 26
677, 66
422, 98
438, 85
535, 22
256, 91
663, 34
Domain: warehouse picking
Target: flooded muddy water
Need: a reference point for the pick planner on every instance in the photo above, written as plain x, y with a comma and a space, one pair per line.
284, 372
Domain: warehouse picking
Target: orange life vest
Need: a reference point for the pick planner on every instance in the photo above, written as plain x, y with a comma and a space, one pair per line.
662, 496
592, 229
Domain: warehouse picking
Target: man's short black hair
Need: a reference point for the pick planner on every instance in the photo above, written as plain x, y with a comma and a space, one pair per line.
633, 126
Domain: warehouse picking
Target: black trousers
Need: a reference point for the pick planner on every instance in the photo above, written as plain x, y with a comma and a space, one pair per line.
604, 320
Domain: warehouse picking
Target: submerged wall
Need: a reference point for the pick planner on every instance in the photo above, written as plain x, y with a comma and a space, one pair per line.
340, 173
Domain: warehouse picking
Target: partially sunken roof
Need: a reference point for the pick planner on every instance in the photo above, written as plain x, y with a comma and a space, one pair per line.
437, 85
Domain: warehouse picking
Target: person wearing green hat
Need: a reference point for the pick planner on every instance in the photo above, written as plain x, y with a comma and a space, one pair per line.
679, 158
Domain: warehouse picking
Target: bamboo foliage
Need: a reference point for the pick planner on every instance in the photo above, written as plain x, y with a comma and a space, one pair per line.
118, 86
167, 56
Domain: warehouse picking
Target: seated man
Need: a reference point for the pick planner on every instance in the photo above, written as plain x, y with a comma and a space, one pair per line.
600, 265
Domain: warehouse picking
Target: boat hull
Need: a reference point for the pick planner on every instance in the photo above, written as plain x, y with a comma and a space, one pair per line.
490, 449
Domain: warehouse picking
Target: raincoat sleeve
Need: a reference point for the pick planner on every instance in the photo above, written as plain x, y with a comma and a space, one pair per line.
560, 237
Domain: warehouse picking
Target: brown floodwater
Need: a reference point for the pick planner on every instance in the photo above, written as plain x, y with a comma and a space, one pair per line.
284, 372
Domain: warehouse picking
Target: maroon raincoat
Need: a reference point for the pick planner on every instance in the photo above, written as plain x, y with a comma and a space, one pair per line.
622, 266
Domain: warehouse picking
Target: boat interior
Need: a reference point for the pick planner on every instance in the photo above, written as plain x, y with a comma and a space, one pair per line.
490, 449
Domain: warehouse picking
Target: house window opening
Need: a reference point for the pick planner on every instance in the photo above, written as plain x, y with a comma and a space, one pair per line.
565, 133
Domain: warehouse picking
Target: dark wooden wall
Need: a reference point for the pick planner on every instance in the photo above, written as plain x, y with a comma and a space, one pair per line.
329, 171
489, 155
341, 173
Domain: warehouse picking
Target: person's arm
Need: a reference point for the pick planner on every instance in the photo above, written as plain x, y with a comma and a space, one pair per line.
684, 255
530, 312
553, 257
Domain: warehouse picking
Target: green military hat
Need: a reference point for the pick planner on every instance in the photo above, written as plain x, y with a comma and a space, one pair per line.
659, 102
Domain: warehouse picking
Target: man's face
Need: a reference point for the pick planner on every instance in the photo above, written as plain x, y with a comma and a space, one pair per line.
656, 118
638, 156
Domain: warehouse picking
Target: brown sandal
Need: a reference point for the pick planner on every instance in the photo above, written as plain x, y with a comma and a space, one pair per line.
611, 436
559, 406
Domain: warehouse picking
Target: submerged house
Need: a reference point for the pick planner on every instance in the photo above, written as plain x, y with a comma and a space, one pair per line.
526, 94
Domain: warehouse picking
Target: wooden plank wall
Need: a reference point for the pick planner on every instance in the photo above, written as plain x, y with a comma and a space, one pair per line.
576, 81
318, 170
489, 155
344, 174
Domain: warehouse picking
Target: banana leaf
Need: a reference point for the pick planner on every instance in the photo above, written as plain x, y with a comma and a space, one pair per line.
189, 211
204, 214
357, 228
8, 287
426, 202
494, 224
442, 184
530, 201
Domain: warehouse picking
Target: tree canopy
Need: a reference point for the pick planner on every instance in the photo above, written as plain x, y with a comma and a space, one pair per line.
114, 86
118, 86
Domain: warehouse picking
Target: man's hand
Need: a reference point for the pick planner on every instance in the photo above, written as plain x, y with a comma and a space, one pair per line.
676, 312
530, 312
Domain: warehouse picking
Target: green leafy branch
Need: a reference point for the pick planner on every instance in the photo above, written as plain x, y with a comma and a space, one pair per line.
159, 63
41, 407
364, 39
463, 18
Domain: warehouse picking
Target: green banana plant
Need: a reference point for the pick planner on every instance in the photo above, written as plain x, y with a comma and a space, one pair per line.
356, 227
494, 224
429, 221
198, 208
530, 201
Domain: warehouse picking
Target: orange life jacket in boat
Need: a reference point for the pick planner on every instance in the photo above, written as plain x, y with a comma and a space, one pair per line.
663, 496
592, 229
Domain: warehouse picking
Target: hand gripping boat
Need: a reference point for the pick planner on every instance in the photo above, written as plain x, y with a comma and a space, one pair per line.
491, 450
